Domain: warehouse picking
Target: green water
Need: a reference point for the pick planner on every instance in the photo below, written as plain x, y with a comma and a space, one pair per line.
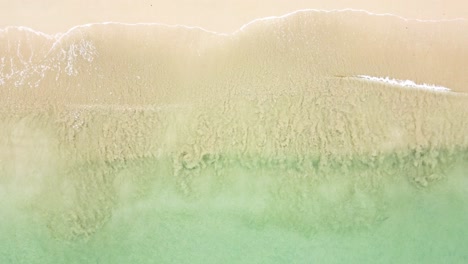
226, 209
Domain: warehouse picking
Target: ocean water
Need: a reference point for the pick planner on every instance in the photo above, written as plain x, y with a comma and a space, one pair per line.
289, 141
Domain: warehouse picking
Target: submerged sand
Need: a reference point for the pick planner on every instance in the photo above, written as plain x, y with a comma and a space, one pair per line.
143, 143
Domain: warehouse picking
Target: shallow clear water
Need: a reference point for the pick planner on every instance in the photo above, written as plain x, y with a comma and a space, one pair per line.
252, 215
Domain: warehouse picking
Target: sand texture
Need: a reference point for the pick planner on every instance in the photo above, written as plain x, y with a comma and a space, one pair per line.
278, 143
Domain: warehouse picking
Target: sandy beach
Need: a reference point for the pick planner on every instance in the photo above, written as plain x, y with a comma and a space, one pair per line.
313, 136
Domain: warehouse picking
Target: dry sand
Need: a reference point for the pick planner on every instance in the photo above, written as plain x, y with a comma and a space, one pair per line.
226, 16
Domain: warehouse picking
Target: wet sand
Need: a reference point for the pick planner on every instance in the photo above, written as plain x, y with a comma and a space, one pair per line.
142, 143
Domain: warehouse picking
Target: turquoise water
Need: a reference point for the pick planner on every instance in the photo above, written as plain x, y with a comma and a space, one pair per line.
232, 210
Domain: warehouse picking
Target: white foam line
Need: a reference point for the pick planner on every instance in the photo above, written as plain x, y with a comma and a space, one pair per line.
404, 83
59, 36
347, 10
23, 28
